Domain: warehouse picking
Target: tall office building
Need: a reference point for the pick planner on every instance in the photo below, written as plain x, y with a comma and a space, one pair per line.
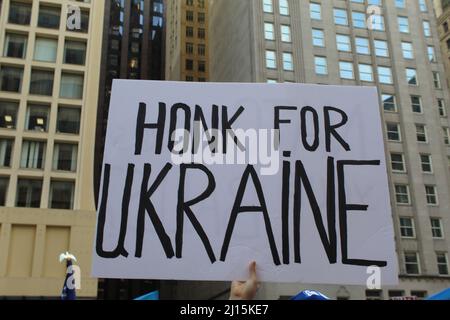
49, 75
187, 40
133, 48
396, 50
442, 8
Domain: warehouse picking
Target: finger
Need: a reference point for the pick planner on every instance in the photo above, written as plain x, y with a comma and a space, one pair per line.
253, 271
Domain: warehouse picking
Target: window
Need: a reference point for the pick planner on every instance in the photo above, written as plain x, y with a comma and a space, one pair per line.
29, 193
365, 72
346, 70
426, 163
201, 49
269, 32
407, 229
201, 33
201, 66
285, 33
402, 194
431, 54
19, 13
416, 104
431, 195
65, 157
189, 78
377, 23
420, 295
75, 52
426, 29
396, 293
321, 65
271, 61
189, 64
284, 7
373, 295
315, 11
189, 32
412, 263
381, 48
68, 120
442, 108
400, 4
4, 182
397, 162
8, 114
189, 48
407, 50
201, 17
385, 75
343, 43
189, 15
268, 6
403, 24
45, 49
442, 263
436, 80
61, 195
71, 86
318, 38
6, 146
33, 154
15, 46
37, 118
362, 45
423, 5
11, 79
389, 102
446, 136
41, 82
340, 17
411, 76
359, 20
436, 228
287, 61
49, 17
421, 133
84, 25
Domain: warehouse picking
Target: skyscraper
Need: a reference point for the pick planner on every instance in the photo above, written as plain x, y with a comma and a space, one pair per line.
49, 75
393, 45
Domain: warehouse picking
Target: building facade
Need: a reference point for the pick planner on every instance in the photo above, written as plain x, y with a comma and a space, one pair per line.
395, 48
187, 40
49, 74
443, 14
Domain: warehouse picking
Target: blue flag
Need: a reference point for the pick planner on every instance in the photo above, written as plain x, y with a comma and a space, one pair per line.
149, 296
68, 291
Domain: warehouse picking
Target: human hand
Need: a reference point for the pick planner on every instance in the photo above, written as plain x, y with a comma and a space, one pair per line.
245, 290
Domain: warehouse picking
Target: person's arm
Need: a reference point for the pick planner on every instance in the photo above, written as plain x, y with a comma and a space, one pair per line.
245, 290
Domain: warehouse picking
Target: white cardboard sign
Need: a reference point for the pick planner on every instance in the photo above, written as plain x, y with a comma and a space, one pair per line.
309, 202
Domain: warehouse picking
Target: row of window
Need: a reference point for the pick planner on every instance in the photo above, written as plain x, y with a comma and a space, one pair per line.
390, 104
201, 49
29, 192
190, 16
33, 155
49, 16
201, 65
412, 265
394, 133
402, 195
45, 49
201, 32
200, 3
398, 163
41, 82
38, 117
408, 229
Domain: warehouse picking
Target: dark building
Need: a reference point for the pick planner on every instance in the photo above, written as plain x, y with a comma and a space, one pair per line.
133, 48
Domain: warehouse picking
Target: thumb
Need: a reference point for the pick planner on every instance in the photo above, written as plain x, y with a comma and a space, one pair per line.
252, 269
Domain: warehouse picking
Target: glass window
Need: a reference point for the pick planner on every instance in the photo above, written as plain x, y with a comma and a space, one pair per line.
385, 75
271, 61
8, 114
19, 13
343, 43
84, 25
426, 29
397, 162
29, 193
426, 163
315, 11
393, 132
65, 157
321, 65
284, 7
411, 76
416, 104
49, 17
45, 49
75, 52
381, 48
68, 120
6, 146
407, 50
37, 118
436, 228
15, 45
359, 20
402, 194
431, 54
389, 103
33, 154
431, 195
407, 227
41, 82
201, 66
365, 72
403, 24
411, 263
285, 33
442, 263
288, 61
400, 4
268, 6
71, 86
423, 6
442, 108
436, 80
376, 23
189, 32
346, 70
362, 45
446, 136
340, 17
421, 133
11, 79
269, 31
4, 182
61, 195
318, 38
